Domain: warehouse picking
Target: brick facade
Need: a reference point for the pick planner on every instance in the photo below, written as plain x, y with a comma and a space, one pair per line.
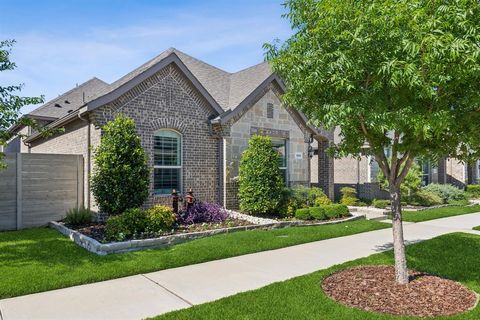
167, 100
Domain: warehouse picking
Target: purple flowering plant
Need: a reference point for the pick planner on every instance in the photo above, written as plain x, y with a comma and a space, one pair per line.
202, 212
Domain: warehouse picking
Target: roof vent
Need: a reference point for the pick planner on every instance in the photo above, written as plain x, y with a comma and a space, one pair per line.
270, 110
67, 102
70, 111
57, 105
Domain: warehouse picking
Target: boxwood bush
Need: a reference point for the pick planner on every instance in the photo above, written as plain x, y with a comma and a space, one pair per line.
127, 225
336, 210
303, 214
318, 213
261, 183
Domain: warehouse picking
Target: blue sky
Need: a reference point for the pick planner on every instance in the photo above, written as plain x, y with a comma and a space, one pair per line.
62, 43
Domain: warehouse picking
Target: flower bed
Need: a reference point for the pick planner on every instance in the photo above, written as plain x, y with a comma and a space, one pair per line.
235, 222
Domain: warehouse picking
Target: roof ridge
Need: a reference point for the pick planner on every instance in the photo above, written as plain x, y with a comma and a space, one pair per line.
66, 93
175, 50
251, 67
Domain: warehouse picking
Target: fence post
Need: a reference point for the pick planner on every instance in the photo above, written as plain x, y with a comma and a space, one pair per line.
19, 191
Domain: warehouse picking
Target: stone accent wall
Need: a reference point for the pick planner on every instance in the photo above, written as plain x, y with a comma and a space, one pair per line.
169, 100
282, 125
456, 172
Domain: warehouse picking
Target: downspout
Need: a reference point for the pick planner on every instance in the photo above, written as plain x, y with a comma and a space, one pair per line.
88, 155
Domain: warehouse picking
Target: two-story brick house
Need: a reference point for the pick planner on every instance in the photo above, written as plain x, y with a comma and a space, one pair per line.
194, 121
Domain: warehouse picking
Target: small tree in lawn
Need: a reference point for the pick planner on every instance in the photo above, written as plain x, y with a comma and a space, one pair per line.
261, 183
10, 103
403, 74
121, 176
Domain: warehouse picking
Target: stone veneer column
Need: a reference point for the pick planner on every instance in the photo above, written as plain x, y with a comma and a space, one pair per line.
325, 169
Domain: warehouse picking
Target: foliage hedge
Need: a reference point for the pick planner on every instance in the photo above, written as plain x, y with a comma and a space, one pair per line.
323, 212
473, 190
121, 176
380, 204
447, 192
160, 218
261, 183
336, 210
127, 225
302, 197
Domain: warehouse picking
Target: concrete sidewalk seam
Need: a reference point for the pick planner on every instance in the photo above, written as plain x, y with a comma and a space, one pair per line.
165, 288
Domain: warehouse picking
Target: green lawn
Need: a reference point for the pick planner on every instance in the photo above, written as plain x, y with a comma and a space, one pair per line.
430, 214
454, 256
42, 259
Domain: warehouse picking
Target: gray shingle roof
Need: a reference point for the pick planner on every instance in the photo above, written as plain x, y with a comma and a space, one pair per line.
227, 89
71, 100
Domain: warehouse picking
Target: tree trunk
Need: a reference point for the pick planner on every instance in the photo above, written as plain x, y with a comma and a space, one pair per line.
401, 272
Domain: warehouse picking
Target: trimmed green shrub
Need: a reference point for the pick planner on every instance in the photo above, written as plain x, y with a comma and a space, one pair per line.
160, 218
380, 204
261, 183
473, 190
424, 198
78, 217
349, 196
302, 197
121, 176
318, 213
447, 192
303, 214
336, 210
127, 225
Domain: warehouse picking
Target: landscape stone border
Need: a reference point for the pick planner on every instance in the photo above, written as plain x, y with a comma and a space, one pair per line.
102, 249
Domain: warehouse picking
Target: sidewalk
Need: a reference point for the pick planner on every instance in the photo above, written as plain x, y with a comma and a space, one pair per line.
146, 295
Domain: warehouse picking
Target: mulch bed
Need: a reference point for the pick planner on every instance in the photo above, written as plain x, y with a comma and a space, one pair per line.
373, 288
97, 231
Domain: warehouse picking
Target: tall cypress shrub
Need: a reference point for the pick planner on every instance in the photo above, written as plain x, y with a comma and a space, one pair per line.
261, 183
121, 176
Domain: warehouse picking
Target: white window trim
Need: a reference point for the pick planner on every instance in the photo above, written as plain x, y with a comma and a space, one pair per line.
170, 167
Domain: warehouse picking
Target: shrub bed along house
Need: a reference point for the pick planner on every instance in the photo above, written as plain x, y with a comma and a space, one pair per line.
323, 212
473, 190
159, 221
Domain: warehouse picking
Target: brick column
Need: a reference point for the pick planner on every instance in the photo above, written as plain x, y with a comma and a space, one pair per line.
442, 171
325, 169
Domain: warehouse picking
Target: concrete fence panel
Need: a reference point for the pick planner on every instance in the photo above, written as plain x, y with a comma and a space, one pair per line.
38, 188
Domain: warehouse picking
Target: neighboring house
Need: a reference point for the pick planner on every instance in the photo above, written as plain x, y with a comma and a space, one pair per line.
362, 173
194, 121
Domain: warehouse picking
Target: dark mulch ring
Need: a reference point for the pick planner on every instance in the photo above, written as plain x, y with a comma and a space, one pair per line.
373, 288
97, 231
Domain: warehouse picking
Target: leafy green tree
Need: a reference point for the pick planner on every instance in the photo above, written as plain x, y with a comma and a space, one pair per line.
10, 102
403, 74
411, 184
261, 183
121, 175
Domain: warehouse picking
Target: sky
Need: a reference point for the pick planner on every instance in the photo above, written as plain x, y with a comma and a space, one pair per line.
63, 43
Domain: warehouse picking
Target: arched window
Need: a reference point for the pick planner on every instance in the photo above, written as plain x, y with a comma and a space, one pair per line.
167, 161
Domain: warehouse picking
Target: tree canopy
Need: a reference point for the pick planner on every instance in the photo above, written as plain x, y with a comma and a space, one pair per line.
403, 74
10, 102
